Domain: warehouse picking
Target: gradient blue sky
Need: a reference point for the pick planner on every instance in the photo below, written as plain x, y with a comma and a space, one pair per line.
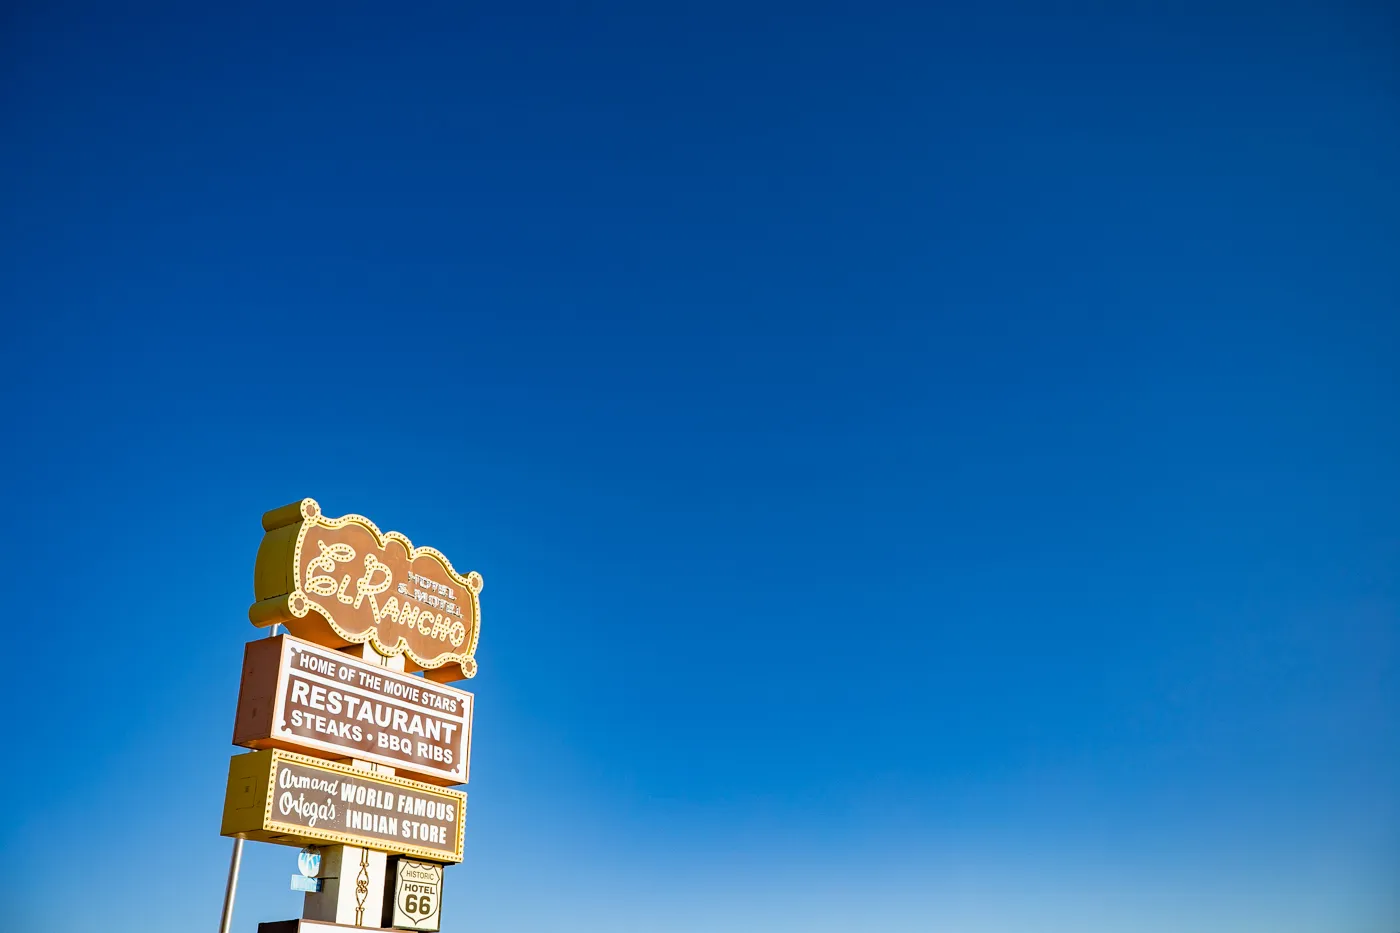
933, 469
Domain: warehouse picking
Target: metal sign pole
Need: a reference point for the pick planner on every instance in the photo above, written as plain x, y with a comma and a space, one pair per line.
232, 889
235, 861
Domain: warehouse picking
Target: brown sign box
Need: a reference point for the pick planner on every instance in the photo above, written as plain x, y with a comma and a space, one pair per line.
341, 581
294, 800
299, 696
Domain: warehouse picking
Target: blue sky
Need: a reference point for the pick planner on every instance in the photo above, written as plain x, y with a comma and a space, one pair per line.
932, 469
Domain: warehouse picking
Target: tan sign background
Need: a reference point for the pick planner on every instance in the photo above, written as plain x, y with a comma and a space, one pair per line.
299, 696
341, 581
290, 799
417, 900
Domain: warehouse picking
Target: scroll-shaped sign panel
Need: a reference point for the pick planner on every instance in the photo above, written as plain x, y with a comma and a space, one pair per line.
302, 697
293, 800
341, 581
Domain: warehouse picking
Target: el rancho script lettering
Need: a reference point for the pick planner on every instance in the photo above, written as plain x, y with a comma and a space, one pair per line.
341, 581
433, 611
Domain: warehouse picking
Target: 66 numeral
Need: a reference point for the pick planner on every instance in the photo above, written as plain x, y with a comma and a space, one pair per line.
418, 904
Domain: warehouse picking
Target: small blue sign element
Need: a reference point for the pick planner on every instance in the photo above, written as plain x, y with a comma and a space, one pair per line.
309, 861
303, 883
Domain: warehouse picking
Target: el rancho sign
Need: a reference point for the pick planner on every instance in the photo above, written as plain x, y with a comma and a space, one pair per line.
341, 581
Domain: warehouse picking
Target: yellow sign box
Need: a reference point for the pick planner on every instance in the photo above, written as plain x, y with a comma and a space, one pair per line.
290, 799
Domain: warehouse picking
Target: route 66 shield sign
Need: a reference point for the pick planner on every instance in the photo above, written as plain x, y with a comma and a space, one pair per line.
417, 896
